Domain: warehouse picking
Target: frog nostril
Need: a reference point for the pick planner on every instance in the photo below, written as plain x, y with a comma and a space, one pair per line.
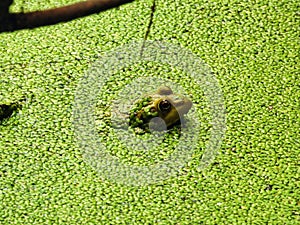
164, 106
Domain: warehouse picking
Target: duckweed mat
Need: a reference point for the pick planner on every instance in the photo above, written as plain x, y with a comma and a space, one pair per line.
252, 48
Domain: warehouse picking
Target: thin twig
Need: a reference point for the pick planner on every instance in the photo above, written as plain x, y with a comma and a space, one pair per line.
149, 27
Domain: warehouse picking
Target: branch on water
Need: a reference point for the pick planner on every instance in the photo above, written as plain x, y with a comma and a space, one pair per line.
17, 21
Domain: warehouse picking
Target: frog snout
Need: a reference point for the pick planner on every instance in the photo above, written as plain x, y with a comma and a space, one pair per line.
185, 107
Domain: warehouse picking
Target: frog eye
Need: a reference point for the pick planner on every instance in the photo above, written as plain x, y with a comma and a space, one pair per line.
164, 106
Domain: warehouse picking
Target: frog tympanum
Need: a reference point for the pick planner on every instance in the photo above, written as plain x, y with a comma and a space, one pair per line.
163, 108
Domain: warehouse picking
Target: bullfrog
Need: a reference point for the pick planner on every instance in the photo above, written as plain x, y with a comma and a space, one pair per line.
163, 109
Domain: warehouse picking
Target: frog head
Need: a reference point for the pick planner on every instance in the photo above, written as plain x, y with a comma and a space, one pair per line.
163, 104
